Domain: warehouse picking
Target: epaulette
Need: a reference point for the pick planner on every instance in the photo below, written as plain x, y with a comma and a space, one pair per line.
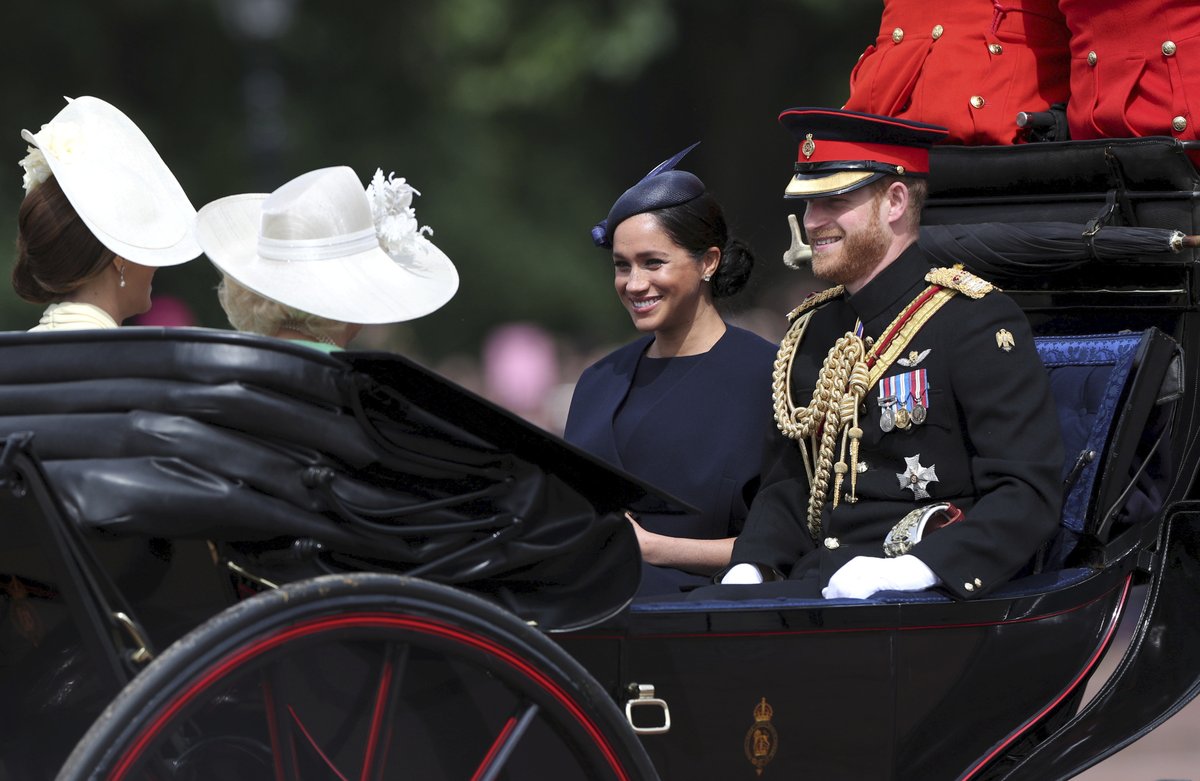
815, 300
961, 280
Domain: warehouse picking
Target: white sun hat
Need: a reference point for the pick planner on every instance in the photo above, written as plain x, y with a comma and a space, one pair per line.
116, 181
318, 243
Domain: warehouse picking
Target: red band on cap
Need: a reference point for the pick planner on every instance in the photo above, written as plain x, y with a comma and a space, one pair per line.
914, 159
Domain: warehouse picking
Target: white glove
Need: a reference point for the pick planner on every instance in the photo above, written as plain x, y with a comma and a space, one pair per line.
742, 575
862, 576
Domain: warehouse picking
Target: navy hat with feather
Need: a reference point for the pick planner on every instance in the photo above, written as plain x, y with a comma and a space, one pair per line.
659, 189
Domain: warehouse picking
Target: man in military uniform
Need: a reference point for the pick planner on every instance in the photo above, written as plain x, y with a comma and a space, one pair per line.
920, 445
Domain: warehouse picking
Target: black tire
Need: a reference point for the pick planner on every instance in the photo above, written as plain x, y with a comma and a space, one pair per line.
361, 676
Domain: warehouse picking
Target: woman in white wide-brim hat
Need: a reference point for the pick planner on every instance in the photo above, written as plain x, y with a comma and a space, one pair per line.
320, 257
101, 212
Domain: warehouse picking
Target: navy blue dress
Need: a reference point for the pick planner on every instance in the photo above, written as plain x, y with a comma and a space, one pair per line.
696, 429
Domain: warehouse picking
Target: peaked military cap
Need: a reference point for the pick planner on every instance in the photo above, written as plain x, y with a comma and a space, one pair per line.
841, 151
661, 188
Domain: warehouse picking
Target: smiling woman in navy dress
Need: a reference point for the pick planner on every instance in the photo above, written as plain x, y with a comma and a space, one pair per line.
686, 407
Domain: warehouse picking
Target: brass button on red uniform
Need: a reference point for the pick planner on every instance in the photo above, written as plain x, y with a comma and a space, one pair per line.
1147, 84
931, 77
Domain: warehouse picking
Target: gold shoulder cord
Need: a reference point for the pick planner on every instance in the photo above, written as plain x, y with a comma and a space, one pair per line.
850, 369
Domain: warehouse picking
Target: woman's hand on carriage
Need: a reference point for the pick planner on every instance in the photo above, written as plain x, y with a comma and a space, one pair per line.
863, 576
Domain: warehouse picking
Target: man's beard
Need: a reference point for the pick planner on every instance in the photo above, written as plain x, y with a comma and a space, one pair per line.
860, 252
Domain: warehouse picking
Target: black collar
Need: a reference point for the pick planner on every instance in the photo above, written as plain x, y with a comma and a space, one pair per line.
893, 287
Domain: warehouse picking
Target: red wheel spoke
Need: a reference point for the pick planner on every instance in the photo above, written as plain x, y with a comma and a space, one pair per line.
279, 727
504, 744
387, 697
312, 742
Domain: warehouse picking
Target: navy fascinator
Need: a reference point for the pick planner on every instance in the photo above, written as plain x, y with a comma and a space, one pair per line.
659, 189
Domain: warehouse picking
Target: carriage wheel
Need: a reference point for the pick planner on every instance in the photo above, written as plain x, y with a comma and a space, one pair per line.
361, 676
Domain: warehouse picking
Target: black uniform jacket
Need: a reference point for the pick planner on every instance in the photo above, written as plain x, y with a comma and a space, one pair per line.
702, 443
991, 438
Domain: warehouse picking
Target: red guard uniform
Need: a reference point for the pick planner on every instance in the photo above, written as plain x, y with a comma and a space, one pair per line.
968, 65
1135, 68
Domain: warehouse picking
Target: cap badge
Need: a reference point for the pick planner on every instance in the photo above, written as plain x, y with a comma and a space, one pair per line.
809, 146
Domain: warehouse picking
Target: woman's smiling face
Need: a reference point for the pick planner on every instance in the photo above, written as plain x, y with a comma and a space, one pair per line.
659, 282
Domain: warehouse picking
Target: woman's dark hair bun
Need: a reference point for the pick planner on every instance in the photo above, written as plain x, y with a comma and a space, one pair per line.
700, 224
737, 261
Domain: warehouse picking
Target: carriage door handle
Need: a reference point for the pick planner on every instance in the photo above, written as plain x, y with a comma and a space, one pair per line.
642, 696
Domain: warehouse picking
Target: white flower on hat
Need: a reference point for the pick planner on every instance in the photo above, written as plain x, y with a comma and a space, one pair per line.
395, 220
37, 170
59, 140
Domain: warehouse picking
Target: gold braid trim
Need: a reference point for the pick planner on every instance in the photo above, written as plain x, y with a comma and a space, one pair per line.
849, 371
815, 300
958, 278
898, 345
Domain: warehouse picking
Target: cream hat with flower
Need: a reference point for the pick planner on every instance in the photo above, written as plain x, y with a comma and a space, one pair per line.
323, 245
116, 181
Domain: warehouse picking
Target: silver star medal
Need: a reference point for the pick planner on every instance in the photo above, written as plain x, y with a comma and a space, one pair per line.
917, 477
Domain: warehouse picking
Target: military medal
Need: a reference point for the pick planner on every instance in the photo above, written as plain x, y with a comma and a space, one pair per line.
917, 478
907, 397
887, 415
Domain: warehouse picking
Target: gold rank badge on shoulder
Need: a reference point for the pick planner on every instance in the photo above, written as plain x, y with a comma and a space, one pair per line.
961, 280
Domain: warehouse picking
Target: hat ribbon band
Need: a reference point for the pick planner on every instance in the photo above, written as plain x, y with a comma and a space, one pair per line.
914, 159
325, 248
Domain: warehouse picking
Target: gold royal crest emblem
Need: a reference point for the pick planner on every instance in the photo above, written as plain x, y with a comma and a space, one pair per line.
809, 146
762, 741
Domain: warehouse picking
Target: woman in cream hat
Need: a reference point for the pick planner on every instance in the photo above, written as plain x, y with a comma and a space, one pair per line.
101, 212
319, 257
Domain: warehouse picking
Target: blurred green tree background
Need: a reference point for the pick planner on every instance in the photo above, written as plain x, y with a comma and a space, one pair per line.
519, 121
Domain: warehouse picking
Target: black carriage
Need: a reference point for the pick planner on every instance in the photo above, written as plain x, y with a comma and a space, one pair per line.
232, 557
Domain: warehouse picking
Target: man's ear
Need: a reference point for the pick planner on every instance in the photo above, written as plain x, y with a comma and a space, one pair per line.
896, 199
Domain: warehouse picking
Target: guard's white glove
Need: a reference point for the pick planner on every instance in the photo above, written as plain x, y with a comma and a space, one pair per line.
862, 576
742, 575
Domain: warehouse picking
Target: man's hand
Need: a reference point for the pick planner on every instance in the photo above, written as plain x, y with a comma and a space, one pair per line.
862, 576
742, 575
